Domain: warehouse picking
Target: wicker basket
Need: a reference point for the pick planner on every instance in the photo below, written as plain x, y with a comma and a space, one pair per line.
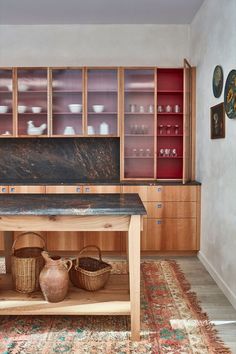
90, 273
27, 263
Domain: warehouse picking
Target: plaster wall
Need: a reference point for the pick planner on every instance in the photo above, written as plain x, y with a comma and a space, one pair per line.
93, 45
212, 38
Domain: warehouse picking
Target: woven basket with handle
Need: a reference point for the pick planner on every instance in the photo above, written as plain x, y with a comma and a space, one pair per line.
27, 263
90, 273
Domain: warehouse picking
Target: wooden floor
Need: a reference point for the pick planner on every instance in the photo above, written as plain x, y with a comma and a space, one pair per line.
213, 301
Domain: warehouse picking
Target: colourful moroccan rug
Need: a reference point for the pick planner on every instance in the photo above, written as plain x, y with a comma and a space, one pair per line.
171, 322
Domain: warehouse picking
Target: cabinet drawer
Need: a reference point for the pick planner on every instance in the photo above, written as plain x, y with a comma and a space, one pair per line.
172, 193
141, 190
27, 189
64, 189
4, 189
101, 189
171, 209
170, 235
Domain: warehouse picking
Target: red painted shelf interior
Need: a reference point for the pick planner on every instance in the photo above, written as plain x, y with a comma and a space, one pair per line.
6, 100
170, 92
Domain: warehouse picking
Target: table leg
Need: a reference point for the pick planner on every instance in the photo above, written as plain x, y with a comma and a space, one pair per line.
8, 240
134, 275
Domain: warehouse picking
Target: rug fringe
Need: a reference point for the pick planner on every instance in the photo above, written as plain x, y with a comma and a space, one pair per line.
212, 333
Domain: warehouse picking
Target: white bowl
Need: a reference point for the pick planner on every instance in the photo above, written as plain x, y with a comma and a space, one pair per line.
3, 109
22, 87
98, 108
75, 107
21, 109
36, 109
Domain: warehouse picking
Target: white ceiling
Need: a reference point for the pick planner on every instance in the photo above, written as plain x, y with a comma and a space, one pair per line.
98, 11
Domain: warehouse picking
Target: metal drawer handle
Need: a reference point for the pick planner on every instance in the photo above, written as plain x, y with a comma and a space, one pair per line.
12, 189
78, 189
4, 190
159, 189
87, 189
159, 222
159, 206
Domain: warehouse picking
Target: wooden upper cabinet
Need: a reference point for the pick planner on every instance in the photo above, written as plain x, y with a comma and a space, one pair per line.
32, 102
6, 103
103, 104
67, 101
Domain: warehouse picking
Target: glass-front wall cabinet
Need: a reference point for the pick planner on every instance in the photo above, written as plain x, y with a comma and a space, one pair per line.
102, 102
32, 102
6, 102
170, 123
67, 102
139, 123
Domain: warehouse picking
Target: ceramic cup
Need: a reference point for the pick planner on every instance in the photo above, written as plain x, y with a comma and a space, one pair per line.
69, 130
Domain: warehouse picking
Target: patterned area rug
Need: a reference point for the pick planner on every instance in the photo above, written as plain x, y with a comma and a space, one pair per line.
171, 322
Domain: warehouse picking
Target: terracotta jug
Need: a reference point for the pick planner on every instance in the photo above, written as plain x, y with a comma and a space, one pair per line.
54, 278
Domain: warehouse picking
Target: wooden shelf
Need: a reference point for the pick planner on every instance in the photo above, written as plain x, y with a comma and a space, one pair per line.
66, 91
66, 113
112, 300
107, 113
102, 91
6, 114
140, 91
32, 91
139, 113
31, 113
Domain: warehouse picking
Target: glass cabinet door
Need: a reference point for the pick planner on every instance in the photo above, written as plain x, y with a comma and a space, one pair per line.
32, 102
6, 103
102, 106
67, 102
139, 123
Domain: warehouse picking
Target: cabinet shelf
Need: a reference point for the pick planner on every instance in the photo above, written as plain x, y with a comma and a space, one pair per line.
32, 114
67, 113
102, 91
107, 113
169, 157
139, 135
32, 91
139, 113
5, 114
169, 114
139, 157
66, 91
170, 92
140, 91
169, 135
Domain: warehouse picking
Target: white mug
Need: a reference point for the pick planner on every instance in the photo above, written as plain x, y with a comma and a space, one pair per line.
91, 130
69, 130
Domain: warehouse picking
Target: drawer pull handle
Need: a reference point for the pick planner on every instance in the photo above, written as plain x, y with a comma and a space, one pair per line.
159, 222
159, 206
159, 189
12, 190
78, 189
4, 190
87, 189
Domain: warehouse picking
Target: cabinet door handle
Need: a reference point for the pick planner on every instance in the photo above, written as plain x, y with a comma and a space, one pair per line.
87, 189
78, 189
12, 189
159, 189
159, 206
159, 222
4, 189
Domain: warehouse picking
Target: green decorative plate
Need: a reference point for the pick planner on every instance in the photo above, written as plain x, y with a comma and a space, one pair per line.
230, 95
217, 81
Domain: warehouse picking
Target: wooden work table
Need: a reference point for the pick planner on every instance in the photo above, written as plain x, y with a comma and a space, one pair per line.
64, 212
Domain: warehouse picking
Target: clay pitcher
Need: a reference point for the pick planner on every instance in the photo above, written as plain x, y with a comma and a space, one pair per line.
54, 278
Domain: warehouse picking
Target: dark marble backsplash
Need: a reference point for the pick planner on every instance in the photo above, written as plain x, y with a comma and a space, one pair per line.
59, 160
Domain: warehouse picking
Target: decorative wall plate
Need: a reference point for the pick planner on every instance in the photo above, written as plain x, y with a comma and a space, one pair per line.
217, 81
230, 95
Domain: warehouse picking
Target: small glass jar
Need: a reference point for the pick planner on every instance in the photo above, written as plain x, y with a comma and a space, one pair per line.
161, 153
141, 152
134, 151
176, 129
148, 152
161, 129
168, 129
132, 108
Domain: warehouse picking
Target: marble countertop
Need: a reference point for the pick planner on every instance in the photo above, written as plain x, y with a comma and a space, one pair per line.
71, 204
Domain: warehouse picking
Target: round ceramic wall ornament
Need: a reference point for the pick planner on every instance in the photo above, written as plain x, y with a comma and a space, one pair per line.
230, 95
217, 81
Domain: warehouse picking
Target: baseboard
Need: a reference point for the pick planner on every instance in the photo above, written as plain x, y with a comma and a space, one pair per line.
218, 279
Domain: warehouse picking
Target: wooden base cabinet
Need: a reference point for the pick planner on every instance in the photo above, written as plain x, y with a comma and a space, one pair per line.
170, 235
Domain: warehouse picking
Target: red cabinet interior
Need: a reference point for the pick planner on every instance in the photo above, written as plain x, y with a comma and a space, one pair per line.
6, 116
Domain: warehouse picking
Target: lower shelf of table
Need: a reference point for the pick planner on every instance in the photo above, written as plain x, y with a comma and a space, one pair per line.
114, 299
